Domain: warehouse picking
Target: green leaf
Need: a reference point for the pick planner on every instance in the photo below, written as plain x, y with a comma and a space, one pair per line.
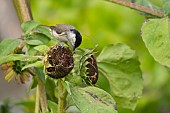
40, 74
20, 57
152, 4
93, 100
119, 64
158, 3
27, 104
72, 109
29, 26
33, 84
50, 88
166, 7
52, 106
42, 48
45, 31
38, 64
116, 53
31, 50
51, 43
156, 36
41, 37
34, 42
8, 45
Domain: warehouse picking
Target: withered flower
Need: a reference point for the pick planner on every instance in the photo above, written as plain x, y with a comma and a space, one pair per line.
92, 69
14, 70
58, 62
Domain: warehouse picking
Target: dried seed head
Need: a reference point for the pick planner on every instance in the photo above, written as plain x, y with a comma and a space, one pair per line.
92, 69
58, 62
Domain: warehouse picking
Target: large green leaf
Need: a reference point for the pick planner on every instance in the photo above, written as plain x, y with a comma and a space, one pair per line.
119, 64
156, 36
14, 57
29, 26
8, 45
93, 100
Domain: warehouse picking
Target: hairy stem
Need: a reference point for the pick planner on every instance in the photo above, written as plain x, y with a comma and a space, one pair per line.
41, 90
23, 10
62, 94
37, 102
138, 7
43, 99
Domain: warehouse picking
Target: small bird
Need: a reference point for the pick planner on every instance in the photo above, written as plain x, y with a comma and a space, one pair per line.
66, 33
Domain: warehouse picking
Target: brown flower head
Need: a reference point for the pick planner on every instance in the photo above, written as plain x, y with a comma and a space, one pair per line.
58, 62
92, 69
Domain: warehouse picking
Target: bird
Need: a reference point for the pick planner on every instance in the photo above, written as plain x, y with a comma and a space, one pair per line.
67, 33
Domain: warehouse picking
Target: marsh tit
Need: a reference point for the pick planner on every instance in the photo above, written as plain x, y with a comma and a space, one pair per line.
66, 33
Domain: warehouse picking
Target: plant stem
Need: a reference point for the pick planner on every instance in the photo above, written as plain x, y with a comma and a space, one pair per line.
62, 94
24, 14
37, 102
23, 10
138, 7
41, 91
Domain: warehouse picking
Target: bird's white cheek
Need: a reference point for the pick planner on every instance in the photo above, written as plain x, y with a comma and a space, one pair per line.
72, 38
54, 34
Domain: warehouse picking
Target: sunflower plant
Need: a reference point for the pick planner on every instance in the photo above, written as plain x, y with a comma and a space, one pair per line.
72, 81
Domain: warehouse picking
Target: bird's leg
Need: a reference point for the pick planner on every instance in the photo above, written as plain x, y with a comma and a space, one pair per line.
61, 44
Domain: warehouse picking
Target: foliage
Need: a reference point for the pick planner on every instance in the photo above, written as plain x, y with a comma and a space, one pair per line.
118, 64
155, 34
113, 62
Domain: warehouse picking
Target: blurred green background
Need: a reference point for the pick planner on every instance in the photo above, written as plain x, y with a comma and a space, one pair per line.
107, 23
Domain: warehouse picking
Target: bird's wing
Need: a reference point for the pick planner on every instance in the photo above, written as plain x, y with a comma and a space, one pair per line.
59, 28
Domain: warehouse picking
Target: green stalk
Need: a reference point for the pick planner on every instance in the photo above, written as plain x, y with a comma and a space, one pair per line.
37, 102
41, 92
62, 94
